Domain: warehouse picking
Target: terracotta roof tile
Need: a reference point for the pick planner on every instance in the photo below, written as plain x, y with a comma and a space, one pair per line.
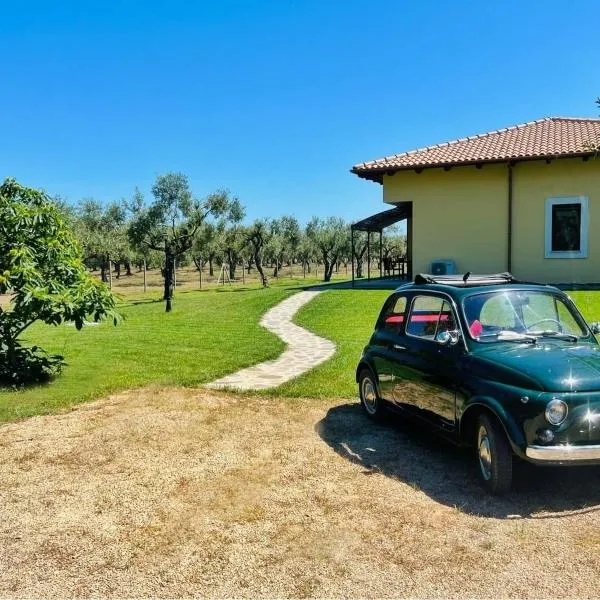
551, 137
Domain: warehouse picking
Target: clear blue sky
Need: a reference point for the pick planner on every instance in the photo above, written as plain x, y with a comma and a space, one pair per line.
274, 100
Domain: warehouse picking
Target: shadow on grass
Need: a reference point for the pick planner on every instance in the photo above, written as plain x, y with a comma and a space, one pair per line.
448, 474
137, 302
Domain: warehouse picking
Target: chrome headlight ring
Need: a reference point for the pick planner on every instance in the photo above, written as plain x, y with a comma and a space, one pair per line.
556, 411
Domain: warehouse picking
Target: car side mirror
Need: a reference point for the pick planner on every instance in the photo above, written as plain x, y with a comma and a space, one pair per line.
595, 327
447, 338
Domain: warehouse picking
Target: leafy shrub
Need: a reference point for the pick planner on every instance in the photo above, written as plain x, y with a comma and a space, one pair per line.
42, 270
20, 365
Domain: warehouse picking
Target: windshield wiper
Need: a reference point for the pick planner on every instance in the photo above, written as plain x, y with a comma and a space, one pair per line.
556, 334
510, 336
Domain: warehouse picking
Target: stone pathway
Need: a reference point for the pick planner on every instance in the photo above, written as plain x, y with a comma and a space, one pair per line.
305, 350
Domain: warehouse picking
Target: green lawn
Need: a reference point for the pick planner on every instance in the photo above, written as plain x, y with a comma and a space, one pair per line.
588, 303
347, 317
207, 335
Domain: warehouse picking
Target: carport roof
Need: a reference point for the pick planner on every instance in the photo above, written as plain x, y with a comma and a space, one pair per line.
551, 137
384, 219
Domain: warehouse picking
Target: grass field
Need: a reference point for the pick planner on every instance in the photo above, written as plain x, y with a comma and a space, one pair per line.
347, 318
207, 335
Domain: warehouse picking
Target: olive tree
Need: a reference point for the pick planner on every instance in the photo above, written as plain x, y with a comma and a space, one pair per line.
360, 249
231, 235
102, 232
206, 247
258, 236
306, 252
284, 241
330, 237
171, 222
43, 274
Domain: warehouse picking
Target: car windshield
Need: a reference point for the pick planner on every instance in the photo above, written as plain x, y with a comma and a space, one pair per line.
521, 315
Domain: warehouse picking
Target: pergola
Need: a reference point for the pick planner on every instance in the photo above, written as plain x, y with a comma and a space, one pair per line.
377, 223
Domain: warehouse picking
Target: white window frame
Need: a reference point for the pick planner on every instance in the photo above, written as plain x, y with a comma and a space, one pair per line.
583, 232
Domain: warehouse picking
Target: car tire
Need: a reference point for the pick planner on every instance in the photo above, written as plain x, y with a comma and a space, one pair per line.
494, 455
372, 404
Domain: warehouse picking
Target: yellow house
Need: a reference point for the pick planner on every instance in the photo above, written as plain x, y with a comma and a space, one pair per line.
525, 199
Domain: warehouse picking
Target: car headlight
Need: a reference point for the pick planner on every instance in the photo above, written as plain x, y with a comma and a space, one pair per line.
556, 411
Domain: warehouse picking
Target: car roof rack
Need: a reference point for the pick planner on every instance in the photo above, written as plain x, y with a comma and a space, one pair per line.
466, 280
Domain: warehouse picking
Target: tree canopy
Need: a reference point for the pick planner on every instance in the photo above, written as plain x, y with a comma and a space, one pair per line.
170, 224
42, 271
330, 237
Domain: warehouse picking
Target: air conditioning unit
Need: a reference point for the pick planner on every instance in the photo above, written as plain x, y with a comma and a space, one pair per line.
443, 267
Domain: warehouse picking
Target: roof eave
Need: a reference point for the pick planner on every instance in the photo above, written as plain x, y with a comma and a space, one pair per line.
376, 173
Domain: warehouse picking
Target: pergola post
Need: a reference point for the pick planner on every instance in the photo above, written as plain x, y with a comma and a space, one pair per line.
352, 252
380, 254
409, 243
369, 255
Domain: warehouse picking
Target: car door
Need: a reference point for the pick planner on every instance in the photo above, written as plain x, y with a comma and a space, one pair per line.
387, 340
426, 372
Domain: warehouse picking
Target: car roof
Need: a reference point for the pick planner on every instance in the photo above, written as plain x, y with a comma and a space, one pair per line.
459, 286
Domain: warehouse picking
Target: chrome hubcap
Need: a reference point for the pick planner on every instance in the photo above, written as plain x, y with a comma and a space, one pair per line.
484, 452
369, 396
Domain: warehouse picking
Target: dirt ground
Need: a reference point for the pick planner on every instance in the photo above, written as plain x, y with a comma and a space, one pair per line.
169, 493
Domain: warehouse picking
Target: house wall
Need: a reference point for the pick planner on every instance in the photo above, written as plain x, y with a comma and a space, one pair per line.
533, 183
462, 214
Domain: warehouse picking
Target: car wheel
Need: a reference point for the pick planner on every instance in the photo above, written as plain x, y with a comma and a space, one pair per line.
369, 398
494, 455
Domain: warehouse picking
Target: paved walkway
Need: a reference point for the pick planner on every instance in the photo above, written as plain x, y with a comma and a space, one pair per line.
305, 350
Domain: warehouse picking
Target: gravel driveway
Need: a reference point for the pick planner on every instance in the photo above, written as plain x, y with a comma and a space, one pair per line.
168, 492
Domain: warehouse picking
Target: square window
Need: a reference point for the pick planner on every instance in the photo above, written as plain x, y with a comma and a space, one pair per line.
566, 231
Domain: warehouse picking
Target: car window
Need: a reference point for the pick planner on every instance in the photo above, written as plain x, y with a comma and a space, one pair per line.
567, 320
430, 315
393, 320
495, 314
446, 321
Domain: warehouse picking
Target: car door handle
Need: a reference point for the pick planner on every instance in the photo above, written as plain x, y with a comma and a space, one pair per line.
398, 347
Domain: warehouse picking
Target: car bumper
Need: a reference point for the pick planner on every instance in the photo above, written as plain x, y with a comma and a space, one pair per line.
563, 453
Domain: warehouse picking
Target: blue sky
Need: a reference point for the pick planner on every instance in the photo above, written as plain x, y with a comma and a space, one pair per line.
274, 100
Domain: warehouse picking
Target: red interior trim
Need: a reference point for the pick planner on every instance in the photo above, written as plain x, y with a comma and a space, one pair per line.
395, 319
427, 318
417, 318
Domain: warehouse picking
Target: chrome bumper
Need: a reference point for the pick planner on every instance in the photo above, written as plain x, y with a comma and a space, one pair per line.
564, 453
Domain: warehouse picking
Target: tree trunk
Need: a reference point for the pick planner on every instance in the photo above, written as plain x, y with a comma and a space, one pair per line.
103, 268
168, 289
118, 268
276, 269
359, 261
232, 259
211, 271
259, 268
327, 268
128, 268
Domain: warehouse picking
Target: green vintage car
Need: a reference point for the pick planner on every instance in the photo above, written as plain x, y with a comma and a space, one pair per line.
509, 368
